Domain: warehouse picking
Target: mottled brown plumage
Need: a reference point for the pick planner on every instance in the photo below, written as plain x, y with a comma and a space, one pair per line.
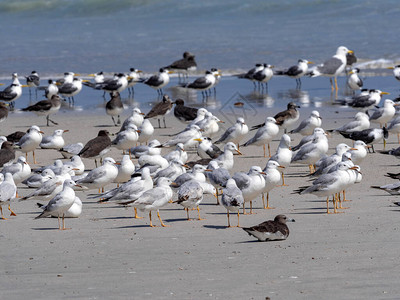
7, 153
160, 109
97, 147
270, 230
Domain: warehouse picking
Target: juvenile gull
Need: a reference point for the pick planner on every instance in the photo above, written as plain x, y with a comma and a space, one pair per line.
160, 109
284, 118
184, 113
270, 230
7, 153
183, 66
46, 108
97, 147
3, 111
114, 107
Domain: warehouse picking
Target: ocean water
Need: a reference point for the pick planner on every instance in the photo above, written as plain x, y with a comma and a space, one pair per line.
86, 36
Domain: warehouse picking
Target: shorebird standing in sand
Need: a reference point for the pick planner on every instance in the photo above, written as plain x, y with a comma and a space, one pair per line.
46, 108
160, 109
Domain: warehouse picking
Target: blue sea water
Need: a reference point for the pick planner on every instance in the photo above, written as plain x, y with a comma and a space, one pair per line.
86, 36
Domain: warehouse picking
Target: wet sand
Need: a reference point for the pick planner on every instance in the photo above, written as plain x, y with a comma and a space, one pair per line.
108, 254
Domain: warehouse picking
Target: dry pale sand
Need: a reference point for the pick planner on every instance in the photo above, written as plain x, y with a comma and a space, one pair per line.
107, 254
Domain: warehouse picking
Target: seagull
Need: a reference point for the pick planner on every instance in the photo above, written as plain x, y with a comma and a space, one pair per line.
285, 118
308, 125
359, 152
133, 78
101, 176
77, 164
326, 163
384, 114
272, 176
135, 118
71, 149
329, 184
33, 80
206, 149
232, 199
7, 153
184, 66
151, 149
154, 199
184, 113
251, 184
158, 81
178, 154
225, 160
187, 138
126, 139
270, 230
360, 122
197, 173
3, 111
172, 171
36, 180
297, 71
283, 155
30, 141
310, 153
217, 175
308, 139
46, 108
20, 170
71, 89
160, 109
264, 75
333, 66
264, 134
190, 195
60, 204
73, 212
114, 107
8, 191
396, 71
201, 113
369, 136
234, 133
154, 162
354, 82
209, 125
125, 170
55, 141
97, 147
145, 131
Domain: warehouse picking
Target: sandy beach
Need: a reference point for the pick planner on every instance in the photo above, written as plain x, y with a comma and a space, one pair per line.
108, 254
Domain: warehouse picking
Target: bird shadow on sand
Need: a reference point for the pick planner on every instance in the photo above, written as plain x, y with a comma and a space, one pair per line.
104, 126
215, 226
45, 229
252, 241
132, 226
115, 218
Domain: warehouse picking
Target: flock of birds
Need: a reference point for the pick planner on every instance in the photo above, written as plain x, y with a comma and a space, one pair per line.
157, 179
